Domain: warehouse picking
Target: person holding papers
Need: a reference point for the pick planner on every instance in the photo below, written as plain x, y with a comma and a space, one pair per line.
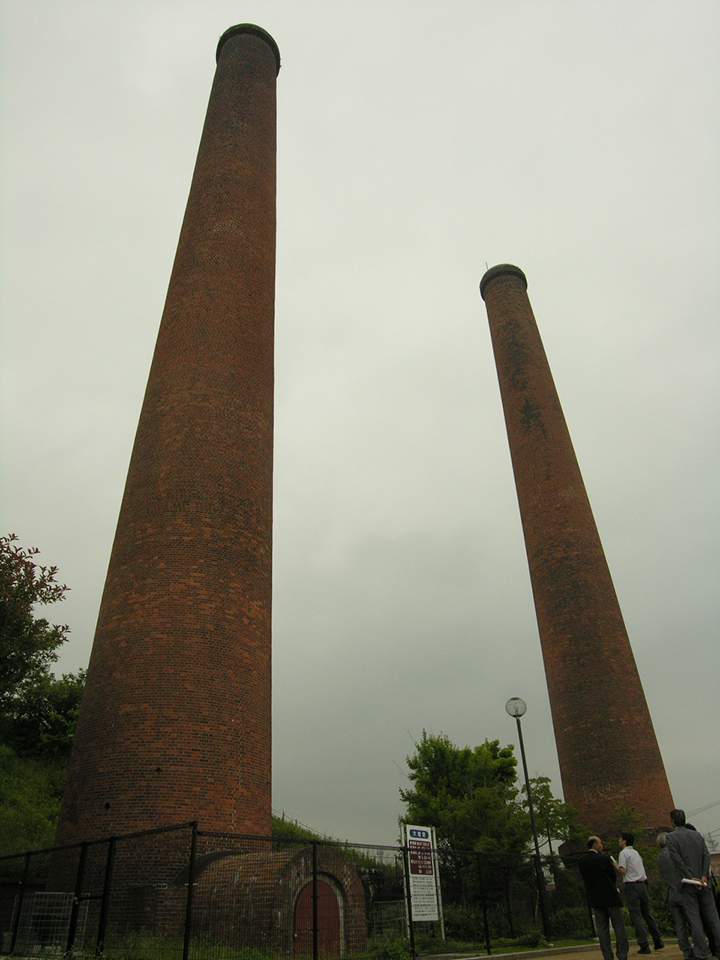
690, 854
673, 896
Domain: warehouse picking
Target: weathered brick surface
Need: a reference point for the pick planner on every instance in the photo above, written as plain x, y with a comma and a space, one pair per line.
175, 721
606, 744
251, 899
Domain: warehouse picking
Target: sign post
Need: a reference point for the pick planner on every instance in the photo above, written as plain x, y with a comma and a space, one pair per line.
423, 876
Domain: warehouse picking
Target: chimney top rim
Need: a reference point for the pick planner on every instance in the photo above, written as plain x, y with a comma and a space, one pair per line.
255, 31
498, 271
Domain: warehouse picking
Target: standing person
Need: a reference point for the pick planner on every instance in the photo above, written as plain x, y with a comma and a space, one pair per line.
599, 877
690, 854
630, 865
673, 895
707, 930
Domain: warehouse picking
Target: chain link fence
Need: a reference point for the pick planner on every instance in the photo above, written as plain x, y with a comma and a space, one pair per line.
181, 892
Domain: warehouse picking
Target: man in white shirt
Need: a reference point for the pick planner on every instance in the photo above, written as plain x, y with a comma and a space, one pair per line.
599, 876
630, 865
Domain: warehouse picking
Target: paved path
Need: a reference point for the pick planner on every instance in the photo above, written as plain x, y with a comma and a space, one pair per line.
588, 952
592, 952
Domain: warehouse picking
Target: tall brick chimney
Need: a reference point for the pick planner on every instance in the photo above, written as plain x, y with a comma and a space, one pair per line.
175, 720
607, 749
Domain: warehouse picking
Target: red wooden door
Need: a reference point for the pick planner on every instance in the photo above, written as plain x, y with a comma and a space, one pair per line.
328, 921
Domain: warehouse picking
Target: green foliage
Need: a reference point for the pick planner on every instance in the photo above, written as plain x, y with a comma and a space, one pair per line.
571, 922
38, 711
391, 948
283, 829
467, 794
465, 930
289, 833
569, 888
554, 819
534, 939
464, 924
44, 717
30, 793
151, 946
28, 644
626, 819
623, 818
470, 796
146, 945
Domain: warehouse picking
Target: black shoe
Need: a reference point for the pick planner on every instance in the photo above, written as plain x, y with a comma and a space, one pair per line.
659, 945
645, 950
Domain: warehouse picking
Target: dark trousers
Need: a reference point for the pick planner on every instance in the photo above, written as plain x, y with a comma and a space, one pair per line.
699, 903
638, 904
681, 928
603, 917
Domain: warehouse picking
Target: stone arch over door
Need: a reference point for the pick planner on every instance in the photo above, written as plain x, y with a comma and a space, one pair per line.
331, 918
250, 897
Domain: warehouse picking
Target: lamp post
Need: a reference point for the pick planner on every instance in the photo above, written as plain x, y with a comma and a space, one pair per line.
516, 707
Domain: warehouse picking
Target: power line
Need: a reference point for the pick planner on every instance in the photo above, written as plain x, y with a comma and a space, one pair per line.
707, 806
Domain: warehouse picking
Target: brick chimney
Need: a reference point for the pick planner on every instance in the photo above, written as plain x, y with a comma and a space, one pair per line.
607, 749
175, 721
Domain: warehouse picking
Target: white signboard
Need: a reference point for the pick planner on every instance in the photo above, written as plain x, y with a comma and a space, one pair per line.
423, 879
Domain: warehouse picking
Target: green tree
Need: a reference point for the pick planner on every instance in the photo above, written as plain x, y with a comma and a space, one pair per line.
38, 710
554, 819
28, 644
44, 716
468, 794
625, 818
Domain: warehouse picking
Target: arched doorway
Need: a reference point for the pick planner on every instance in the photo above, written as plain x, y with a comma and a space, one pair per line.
329, 928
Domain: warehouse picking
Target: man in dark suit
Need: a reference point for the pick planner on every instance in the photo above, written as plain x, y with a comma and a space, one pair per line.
689, 852
599, 876
674, 896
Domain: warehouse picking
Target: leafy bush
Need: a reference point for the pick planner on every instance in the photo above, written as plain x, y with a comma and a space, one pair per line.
534, 939
30, 793
571, 922
463, 923
394, 948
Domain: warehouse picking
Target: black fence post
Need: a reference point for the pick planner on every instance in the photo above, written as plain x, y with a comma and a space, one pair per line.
75, 912
315, 900
483, 903
191, 882
21, 897
105, 904
408, 897
507, 899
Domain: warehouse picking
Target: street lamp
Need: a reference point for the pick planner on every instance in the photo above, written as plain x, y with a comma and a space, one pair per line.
515, 707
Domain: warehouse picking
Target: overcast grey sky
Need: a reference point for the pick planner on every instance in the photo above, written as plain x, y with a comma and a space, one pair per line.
417, 141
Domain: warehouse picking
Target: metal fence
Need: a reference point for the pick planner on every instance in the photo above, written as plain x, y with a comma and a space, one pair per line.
182, 892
